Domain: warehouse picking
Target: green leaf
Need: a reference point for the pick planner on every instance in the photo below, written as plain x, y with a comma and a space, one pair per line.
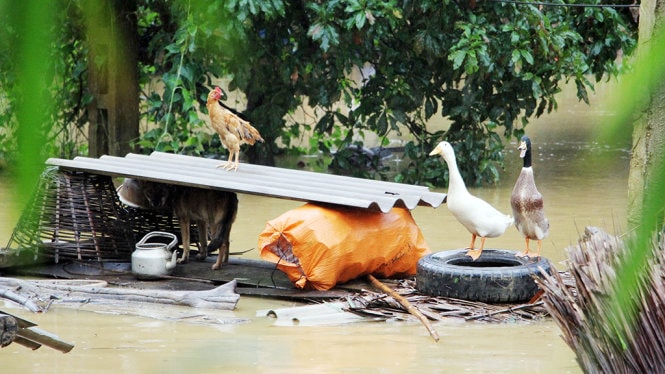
514, 37
188, 102
471, 65
516, 56
527, 56
457, 58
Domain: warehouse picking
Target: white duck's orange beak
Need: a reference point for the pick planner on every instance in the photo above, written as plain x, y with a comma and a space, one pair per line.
435, 151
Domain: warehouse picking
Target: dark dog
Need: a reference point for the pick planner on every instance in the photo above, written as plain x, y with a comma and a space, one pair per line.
209, 209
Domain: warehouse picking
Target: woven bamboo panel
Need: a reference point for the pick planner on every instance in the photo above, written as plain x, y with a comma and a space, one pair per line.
76, 215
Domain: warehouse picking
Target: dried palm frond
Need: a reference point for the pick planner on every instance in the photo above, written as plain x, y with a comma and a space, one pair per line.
629, 341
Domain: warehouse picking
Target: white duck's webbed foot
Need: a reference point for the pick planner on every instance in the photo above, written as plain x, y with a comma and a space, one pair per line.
474, 253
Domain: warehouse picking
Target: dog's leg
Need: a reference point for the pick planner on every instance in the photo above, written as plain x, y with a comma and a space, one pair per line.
222, 256
184, 231
221, 242
222, 238
203, 240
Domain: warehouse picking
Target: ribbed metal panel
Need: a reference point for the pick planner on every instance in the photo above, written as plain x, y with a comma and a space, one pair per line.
257, 180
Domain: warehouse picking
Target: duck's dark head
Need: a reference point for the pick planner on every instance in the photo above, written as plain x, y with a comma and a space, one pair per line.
525, 145
525, 150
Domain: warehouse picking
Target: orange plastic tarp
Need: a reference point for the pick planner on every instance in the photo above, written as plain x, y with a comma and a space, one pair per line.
318, 247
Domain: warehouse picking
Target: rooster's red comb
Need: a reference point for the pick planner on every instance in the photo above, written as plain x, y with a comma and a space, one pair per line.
218, 89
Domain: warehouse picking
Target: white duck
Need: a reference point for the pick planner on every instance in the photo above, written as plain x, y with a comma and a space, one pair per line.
479, 217
527, 202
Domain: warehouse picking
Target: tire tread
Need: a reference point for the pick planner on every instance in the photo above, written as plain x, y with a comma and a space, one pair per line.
437, 276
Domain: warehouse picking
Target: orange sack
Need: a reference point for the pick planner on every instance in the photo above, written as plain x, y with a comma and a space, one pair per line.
318, 247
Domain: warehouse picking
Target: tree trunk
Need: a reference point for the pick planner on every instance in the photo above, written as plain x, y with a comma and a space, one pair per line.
113, 77
260, 153
649, 127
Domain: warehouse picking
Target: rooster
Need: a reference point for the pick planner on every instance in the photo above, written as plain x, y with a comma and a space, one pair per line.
233, 130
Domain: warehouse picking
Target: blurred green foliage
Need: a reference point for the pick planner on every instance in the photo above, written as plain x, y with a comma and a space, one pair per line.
27, 101
632, 96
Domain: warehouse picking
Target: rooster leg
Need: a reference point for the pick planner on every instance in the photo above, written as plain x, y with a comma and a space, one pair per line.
229, 161
235, 165
226, 165
475, 253
230, 164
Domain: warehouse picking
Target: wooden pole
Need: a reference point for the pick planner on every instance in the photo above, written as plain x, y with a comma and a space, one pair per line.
406, 304
29, 335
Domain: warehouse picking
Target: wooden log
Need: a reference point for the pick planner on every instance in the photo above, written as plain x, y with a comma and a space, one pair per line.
20, 299
223, 297
39, 336
406, 304
27, 343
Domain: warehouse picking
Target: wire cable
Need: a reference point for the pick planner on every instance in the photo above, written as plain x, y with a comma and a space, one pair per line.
568, 5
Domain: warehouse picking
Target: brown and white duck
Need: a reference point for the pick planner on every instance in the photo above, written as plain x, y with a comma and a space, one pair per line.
478, 216
527, 203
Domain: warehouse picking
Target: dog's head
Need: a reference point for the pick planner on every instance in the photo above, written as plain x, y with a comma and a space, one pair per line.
143, 194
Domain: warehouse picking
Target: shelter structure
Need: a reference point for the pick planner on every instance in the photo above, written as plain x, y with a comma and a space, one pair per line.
77, 215
258, 180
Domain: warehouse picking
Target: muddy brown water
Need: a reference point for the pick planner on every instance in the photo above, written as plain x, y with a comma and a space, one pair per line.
583, 182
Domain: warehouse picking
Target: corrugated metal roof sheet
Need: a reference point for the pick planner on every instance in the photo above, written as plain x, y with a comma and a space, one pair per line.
258, 180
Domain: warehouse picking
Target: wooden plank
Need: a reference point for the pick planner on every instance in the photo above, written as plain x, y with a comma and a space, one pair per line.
254, 273
292, 294
246, 273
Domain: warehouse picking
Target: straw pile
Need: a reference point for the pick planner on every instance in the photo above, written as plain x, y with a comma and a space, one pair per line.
581, 310
436, 308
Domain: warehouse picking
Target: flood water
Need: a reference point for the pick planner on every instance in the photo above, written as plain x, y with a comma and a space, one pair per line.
583, 182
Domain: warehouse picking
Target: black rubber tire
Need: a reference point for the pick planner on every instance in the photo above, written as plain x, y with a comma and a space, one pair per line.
498, 276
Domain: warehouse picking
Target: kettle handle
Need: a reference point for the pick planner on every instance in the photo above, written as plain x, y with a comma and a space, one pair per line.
174, 239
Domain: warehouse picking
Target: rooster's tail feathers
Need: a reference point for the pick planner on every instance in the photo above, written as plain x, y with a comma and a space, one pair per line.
250, 135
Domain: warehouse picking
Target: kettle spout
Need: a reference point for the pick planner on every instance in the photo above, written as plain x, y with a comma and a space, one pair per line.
170, 264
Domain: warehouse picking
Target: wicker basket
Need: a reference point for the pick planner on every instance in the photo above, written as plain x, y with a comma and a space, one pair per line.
76, 215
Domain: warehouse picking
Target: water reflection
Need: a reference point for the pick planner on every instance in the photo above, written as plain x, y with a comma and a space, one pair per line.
133, 344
